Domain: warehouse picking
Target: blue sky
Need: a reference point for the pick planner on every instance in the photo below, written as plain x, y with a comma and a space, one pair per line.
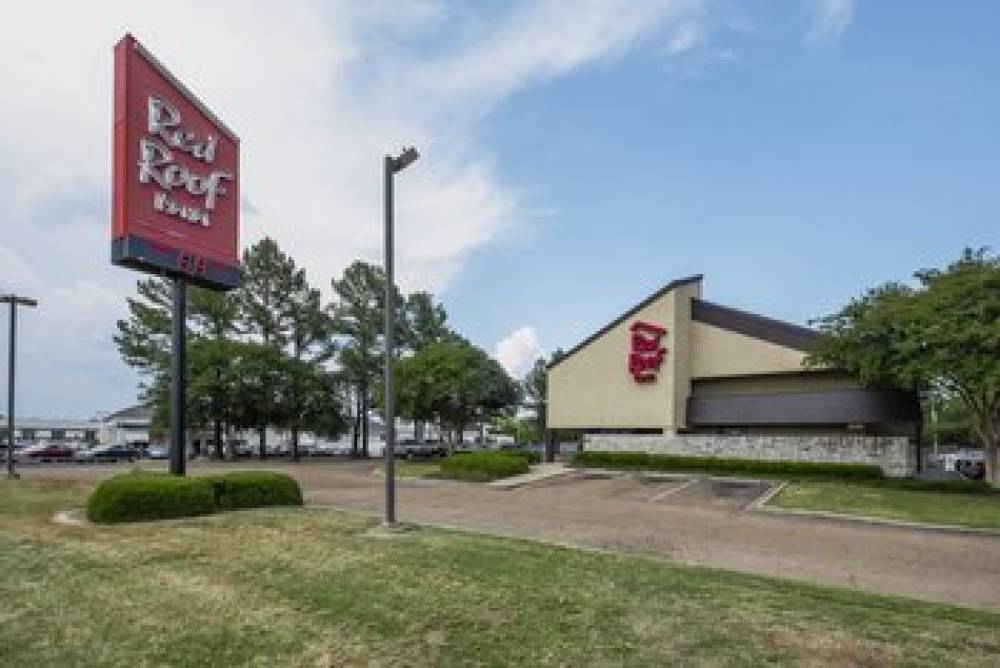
792, 174
575, 155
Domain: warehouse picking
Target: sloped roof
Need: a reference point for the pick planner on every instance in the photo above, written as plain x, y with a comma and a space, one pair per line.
137, 412
757, 326
627, 314
750, 324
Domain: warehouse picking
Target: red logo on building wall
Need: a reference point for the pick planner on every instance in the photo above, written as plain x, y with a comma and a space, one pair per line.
176, 181
647, 354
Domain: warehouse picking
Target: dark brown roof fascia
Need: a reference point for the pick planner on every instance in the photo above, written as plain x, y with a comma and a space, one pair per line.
750, 324
817, 408
628, 314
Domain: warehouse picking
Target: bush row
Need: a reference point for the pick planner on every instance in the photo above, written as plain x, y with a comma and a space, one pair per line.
133, 497
642, 461
530, 456
484, 466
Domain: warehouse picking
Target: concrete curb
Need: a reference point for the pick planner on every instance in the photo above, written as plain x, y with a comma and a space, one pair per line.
761, 507
671, 475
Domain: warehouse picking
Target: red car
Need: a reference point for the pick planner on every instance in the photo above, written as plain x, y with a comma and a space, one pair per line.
46, 453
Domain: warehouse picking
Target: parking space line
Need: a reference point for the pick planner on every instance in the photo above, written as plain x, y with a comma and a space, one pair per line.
667, 492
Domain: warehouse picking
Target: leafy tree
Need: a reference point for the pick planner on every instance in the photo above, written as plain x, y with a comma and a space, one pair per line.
310, 340
456, 384
523, 430
358, 323
144, 341
213, 316
947, 420
257, 373
426, 321
536, 391
942, 336
268, 280
426, 324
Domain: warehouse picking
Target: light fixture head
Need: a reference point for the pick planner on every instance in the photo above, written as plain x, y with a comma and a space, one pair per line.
405, 159
20, 301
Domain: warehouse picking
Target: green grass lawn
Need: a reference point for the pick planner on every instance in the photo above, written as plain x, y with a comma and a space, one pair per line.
884, 500
312, 587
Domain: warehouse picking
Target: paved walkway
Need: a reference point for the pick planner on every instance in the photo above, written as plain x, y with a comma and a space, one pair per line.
699, 523
538, 473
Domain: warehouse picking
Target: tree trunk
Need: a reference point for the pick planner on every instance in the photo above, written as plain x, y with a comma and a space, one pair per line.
357, 425
418, 431
364, 421
988, 429
991, 461
295, 444
218, 439
262, 451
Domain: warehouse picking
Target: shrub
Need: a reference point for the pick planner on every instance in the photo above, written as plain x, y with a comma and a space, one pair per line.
254, 489
149, 496
530, 456
484, 466
134, 497
642, 461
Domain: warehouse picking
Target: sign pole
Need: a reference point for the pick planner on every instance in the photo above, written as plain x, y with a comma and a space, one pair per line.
10, 392
177, 376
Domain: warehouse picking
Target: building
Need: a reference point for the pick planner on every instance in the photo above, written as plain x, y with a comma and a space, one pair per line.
682, 375
36, 430
129, 426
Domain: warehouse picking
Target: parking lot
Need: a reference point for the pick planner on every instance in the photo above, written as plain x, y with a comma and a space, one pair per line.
688, 519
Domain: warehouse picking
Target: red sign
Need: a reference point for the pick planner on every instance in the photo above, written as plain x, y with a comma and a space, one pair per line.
646, 355
175, 195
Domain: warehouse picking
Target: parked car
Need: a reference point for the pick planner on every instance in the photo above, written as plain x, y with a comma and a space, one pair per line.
51, 452
331, 449
242, 449
410, 449
108, 453
158, 452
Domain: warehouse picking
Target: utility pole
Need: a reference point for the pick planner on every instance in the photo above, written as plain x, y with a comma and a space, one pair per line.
392, 165
14, 302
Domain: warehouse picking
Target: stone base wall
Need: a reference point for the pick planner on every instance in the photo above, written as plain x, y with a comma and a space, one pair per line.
895, 454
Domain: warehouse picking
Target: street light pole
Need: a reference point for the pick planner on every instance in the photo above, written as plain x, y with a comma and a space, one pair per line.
391, 166
14, 302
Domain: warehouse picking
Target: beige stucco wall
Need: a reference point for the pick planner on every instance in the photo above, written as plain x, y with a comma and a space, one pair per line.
593, 388
721, 352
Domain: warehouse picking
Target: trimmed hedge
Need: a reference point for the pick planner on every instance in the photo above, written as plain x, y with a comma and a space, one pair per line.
134, 497
529, 455
482, 466
254, 489
642, 461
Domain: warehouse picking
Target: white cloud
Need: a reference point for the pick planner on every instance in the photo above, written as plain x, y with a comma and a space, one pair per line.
318, 93
518, 350
829, 19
